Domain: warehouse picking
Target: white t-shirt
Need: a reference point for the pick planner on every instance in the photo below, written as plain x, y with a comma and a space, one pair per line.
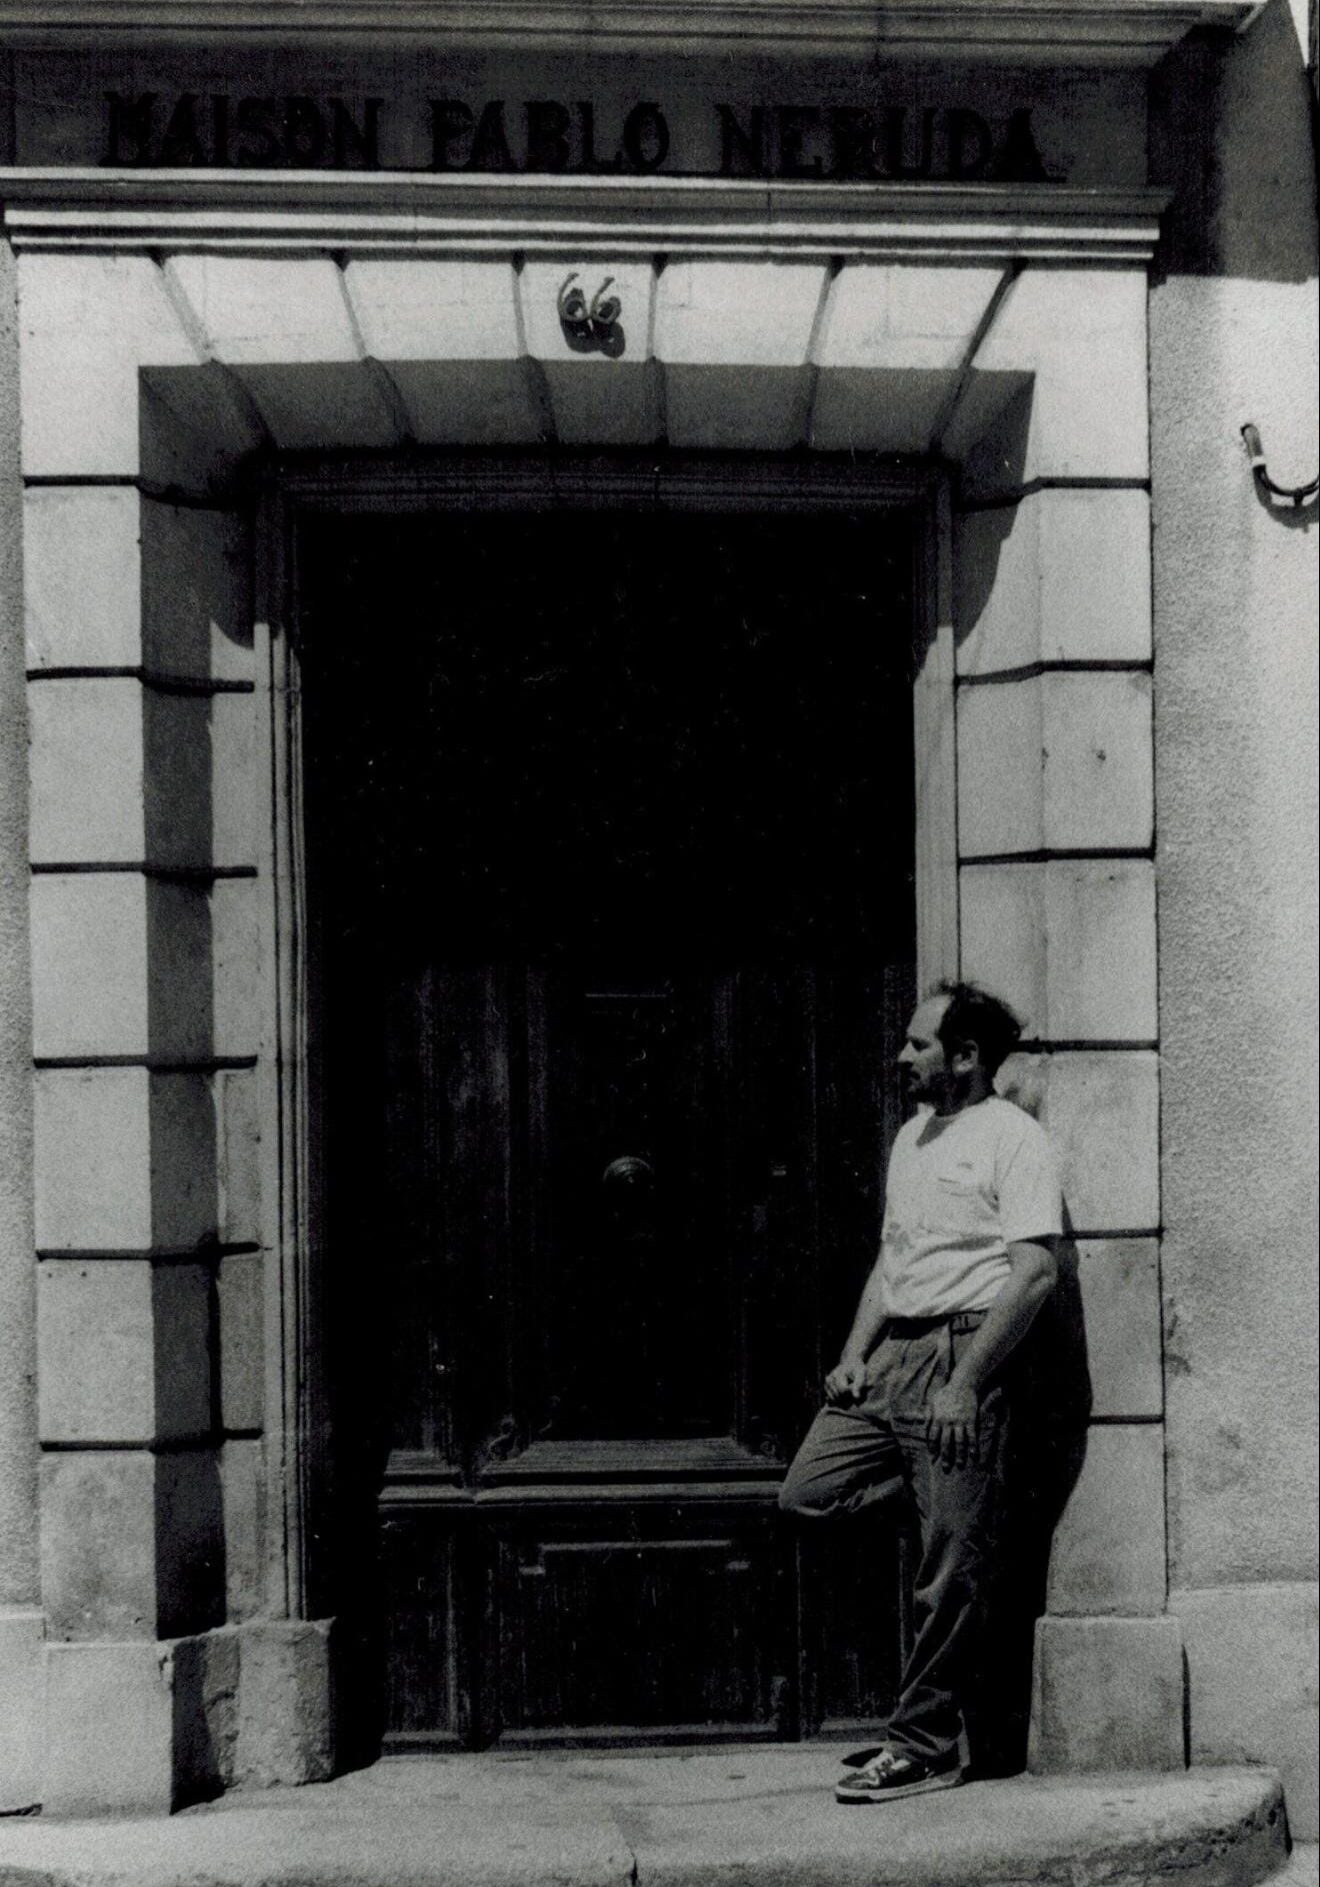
961, 1189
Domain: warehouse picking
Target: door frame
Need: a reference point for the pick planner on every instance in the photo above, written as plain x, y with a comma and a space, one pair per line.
518, 480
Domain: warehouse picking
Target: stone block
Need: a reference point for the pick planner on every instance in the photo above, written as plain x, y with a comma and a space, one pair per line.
239, 966
205, 1716
1099, 784
177, 787
1251, 1663
631, 282
418, 308
198, 423
132, 1543
282, 325
93, 1159
1120, 1286
184, 1193
286, 1703
236, 794
1101, 963
903, 315
1069, 943
719, 313
462, 402
125, 1160
1108, 1554
180, 948
618, 408
89, 964
86, 770
96, 1349
1060, 576
242, 1359
190, 1542
486, 402
243, 1487
87, 323
1003, 939
238, 1155
323, 405
182, 1349
878, 409
197, 592
1101, 1111
1000, 769
110, 1729
258, 310
1056, 762
1107, 1693
192, 441
82, 577
889, 353
1080, 336
121, 965
22, 1708
737, 408
98, 1544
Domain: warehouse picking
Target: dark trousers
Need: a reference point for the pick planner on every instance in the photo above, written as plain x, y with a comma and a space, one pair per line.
876, 1450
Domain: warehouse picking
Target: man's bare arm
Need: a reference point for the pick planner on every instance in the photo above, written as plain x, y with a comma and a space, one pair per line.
845, 1381
1033, 1273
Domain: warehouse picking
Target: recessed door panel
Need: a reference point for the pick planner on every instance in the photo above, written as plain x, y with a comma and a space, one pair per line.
591, 1640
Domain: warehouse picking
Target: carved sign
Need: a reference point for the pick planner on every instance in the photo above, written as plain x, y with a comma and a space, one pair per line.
845, 142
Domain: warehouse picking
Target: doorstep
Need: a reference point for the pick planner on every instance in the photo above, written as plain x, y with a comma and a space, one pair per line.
758, 1817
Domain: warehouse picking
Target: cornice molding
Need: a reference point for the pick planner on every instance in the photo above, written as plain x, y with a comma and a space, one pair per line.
1021, 32
420, 213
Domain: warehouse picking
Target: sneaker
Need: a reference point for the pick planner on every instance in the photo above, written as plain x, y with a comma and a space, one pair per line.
894, 1774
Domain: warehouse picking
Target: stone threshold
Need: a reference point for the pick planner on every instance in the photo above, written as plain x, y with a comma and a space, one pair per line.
685, 1819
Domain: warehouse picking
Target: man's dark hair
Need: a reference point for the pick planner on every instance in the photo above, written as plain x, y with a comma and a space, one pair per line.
973, 1015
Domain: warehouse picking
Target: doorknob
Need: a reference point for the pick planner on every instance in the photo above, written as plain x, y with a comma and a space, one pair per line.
630, 1169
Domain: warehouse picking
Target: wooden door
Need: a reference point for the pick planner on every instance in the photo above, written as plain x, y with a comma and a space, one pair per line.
609, 821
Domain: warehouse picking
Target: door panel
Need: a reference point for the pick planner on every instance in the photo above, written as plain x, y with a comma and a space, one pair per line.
632, 1270
589, 1609
610, 882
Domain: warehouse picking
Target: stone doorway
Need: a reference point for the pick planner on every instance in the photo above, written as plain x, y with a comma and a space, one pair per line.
161, 378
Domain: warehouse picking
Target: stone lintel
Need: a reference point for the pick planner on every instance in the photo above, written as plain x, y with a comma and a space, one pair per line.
1108, 33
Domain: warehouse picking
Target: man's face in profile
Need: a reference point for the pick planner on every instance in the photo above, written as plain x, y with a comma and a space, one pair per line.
922, 1062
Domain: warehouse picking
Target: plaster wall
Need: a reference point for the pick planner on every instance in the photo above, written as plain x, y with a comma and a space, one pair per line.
21, 1669
17, 1284
1233, 338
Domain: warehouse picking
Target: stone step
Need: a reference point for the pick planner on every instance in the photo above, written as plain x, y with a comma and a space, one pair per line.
757, 1817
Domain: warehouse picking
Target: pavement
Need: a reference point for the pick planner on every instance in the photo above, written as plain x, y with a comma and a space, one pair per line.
736, 1817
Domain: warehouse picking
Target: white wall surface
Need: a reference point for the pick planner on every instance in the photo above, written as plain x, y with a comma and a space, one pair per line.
1233, 339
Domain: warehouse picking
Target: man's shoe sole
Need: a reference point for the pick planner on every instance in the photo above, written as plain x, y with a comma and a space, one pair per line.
855, 1797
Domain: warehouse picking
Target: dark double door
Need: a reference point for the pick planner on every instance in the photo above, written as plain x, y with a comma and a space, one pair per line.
610, 840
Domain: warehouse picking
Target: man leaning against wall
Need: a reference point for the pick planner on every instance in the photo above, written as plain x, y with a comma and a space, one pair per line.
919, 1406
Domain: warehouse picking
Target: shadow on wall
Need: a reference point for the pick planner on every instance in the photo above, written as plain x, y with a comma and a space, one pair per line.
995, 465
197, 639
1233, 135
1047, 1447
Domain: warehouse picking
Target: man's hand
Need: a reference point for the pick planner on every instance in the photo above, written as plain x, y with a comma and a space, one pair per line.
846, 1381
951, 1425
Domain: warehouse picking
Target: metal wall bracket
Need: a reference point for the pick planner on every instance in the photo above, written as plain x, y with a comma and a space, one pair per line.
1288, 494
